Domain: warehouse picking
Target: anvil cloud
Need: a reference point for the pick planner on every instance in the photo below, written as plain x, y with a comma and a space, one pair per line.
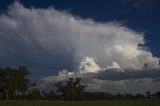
50, 38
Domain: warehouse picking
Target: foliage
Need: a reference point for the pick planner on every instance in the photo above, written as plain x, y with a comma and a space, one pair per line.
14, 85
13, 81
71, 90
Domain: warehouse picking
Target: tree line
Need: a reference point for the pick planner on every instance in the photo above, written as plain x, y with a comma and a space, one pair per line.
15, 85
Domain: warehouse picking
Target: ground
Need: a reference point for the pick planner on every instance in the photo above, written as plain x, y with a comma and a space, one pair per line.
83, 103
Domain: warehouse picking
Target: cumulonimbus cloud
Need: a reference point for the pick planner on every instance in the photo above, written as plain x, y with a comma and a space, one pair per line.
51, 38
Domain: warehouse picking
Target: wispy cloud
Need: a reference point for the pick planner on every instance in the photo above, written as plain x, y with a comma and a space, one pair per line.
137, 3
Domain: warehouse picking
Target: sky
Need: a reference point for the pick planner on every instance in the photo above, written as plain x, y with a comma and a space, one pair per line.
112, 45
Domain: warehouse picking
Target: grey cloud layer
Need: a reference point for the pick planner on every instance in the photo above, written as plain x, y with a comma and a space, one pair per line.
129, 74
129, 81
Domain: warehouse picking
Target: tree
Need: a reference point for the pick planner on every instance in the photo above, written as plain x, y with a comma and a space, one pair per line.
13, 81
71, 89
158, 94
96, 96
129, 96
50, 95
34, 92
1, 84
139, 96
119, 96
9, 81
22, 81
148, 94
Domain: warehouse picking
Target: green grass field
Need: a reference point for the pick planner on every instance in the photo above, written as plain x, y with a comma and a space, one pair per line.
83, 103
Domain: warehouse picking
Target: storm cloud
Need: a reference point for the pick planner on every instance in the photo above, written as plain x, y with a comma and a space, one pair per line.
49, 38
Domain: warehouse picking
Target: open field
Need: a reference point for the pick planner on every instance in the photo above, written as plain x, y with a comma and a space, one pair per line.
83, 103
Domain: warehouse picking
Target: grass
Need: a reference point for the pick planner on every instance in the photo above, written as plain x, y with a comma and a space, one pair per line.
83, 103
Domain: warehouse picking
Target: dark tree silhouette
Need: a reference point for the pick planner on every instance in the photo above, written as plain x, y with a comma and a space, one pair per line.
158, 94
34, 92
22, 81
13, 81
50, 96
2, 84
96, 96
139, 96
129, 96
71, 89
148, 94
